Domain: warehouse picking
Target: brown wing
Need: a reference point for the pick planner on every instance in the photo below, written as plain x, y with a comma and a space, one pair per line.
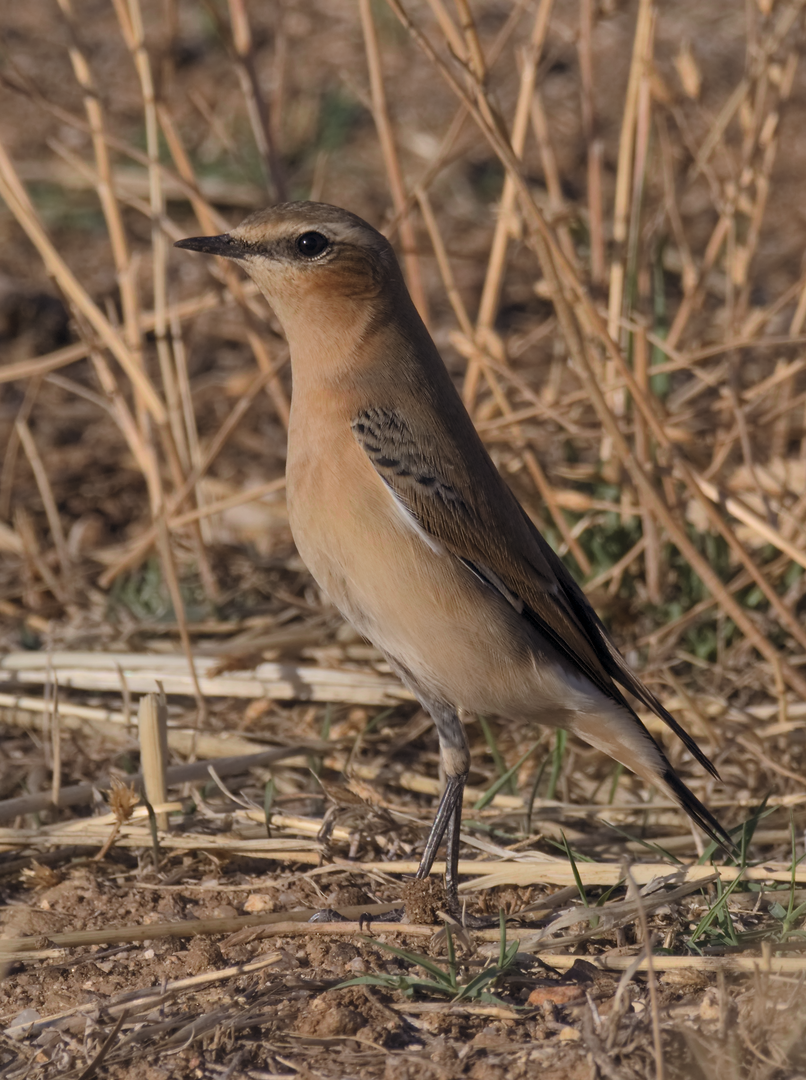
463, 503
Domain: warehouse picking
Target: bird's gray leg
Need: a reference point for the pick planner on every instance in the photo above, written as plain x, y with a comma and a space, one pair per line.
447, 823
455, 755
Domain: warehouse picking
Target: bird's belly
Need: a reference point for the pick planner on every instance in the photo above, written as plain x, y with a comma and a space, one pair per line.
460, 639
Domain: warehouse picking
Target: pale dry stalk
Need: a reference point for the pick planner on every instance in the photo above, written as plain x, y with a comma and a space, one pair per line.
595, 147
394, 174
557, 206
16, 198
211, 222
152, 722
105, 186
253, 95
466, 344
46, 494
171, 430
143, 543
485, 338
653, 553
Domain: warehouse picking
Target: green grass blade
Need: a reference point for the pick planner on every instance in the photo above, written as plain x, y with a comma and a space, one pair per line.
560, 740
508, 776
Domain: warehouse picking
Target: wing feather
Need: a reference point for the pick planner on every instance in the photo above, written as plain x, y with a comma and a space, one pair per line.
465, 506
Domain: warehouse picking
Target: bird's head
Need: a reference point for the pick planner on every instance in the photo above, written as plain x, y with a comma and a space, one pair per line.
307, 259
335, 285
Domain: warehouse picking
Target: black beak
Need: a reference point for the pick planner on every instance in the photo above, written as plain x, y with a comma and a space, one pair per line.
225, 245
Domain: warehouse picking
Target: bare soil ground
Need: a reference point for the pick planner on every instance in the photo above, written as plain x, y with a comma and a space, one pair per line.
178, 947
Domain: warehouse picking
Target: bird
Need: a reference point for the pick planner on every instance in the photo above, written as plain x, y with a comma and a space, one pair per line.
407, 526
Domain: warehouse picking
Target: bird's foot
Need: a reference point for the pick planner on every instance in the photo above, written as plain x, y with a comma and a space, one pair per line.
353, 913
328, 915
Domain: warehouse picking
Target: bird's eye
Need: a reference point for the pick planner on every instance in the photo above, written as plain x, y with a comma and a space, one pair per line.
311, 244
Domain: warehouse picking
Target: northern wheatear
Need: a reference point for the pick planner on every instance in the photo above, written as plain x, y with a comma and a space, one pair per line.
404, 521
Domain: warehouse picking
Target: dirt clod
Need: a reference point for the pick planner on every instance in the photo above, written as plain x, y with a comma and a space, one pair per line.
423, 900
560, 994
203, 955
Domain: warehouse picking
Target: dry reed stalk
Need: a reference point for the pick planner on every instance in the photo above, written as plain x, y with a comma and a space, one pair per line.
614, 573
460, 116
765, 48
781, 430
212, 222
17, 200
551, 172
702, 569
220, 506
641, 58
743, 513
394, 174
426, 785
766, 144
46, 492
595, 149
54, 722
449, 29
33, 562
83, 794
262, 130
693, 299
553, 504
607, 874
141, 546
658, 505
194, 451
142, 449
152, 722
13, 445
43, 365
653, 554
288, 922
105, 187
13, 705
484, 336
478, 361
609, 422
688, 273
443, 262
113, 726
132, 185
171, 432
757, 68
172, 579
660, 1068
276, 681
149, 998
11, 544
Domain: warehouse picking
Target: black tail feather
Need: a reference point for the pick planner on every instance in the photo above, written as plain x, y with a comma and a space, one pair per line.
698, 813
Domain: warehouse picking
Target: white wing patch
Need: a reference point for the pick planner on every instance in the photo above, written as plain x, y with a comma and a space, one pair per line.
485, 574
412, 523
498, 584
